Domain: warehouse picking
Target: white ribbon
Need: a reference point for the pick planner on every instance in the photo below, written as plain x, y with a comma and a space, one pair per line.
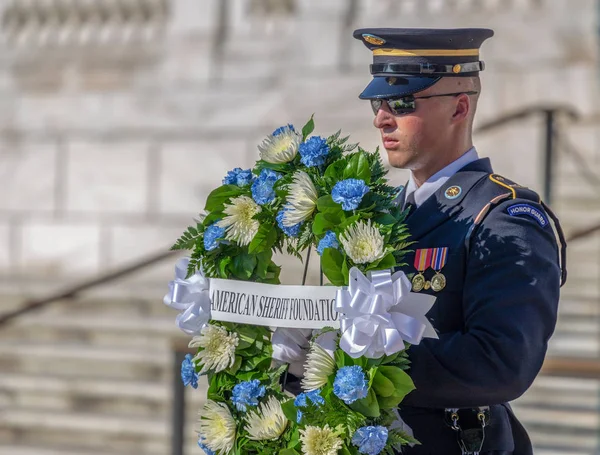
190, 295
379, 313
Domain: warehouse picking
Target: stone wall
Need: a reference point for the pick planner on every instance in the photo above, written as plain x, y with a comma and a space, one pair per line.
116, 119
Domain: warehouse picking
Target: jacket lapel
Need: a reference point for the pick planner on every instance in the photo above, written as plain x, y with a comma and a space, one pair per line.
439, 207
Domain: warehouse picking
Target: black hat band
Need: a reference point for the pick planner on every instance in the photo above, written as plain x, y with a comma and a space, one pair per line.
426, 68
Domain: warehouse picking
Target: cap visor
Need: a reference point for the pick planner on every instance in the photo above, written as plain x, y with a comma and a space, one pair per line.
380, 87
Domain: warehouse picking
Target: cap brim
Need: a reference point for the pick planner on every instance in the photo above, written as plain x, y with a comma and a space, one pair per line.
380, 86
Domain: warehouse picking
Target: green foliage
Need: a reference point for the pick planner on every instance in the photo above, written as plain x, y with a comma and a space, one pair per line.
220, 196
189, 238
308, 128
388, 381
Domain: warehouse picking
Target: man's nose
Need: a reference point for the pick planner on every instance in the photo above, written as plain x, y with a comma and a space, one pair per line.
383, 118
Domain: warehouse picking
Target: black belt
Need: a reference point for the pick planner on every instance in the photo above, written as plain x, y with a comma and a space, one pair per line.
469, 425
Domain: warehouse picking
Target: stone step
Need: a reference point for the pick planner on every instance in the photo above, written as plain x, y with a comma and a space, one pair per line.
100, 329
29, 450
94, 395
92, 432
85, 361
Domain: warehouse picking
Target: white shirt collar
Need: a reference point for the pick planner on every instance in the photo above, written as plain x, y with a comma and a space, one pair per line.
437, 180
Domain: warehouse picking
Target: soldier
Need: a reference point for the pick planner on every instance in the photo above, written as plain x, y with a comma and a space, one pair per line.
485, 246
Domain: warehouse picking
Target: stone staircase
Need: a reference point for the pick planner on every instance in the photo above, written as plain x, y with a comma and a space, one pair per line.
91, 377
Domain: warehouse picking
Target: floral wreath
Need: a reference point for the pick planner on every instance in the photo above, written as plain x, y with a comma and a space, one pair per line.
303, 192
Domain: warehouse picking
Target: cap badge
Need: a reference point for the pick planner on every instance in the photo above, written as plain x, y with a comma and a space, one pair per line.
456, 69
453, 192
372, 39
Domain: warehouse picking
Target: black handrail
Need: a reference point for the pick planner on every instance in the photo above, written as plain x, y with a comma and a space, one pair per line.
73, 291
529, 111
550, 112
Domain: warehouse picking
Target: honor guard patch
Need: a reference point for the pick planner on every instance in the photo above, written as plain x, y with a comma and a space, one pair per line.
528, 210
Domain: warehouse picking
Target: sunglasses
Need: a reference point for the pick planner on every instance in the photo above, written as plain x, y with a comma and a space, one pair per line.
407, 104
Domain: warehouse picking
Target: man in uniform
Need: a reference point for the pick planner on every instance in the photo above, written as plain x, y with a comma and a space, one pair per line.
484, 246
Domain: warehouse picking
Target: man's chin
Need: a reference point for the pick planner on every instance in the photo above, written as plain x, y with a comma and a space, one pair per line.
397, 158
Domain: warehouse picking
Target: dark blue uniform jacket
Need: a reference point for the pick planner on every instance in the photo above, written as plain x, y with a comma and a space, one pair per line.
496, 313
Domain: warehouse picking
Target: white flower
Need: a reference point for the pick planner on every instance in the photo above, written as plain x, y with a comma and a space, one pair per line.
281, 148
217, 427
319, 366
268, 422
302, 200
363, 243
240, 226
320, 441
218, 350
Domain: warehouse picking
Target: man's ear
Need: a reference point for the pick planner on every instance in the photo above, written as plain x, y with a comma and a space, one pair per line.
463, 108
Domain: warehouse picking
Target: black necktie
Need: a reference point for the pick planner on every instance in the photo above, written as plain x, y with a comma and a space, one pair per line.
410, 204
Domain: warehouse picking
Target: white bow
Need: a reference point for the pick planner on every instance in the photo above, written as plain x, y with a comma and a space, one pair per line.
379, 313
190, 295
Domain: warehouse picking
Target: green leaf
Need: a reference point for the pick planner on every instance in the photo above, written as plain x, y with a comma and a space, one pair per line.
322, 224
387, 262
223, 267
389, 402
382, 385
348, 221
335, 171
288, 452
358, 168
289, 409
340, 358
331, 262
385, 219
308, 128
264, 239
243, 265
219, 196
233, 369
367, 406
325, 204
403, 384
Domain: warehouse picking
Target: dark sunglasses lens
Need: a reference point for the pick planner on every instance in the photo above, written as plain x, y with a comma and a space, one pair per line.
376, 105
402, 105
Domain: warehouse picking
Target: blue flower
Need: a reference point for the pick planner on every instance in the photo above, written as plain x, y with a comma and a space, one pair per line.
239, 177
329, 241
314, 151
301, 401
212, 234
350, 384
370, 440
247, 393
262, 188
349, 193
188, 372
290, 231
207, 451
282, 129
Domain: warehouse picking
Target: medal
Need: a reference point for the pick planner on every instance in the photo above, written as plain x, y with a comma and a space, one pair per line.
418, 282
438, 282
422, 263
438, 261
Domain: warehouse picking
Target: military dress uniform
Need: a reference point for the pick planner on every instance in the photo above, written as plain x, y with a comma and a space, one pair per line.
491, 253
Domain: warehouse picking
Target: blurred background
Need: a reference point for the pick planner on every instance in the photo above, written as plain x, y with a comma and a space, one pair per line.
117, 117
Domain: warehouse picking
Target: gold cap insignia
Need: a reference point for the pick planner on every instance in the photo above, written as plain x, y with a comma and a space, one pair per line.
372, 39
453, 192
456, 69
